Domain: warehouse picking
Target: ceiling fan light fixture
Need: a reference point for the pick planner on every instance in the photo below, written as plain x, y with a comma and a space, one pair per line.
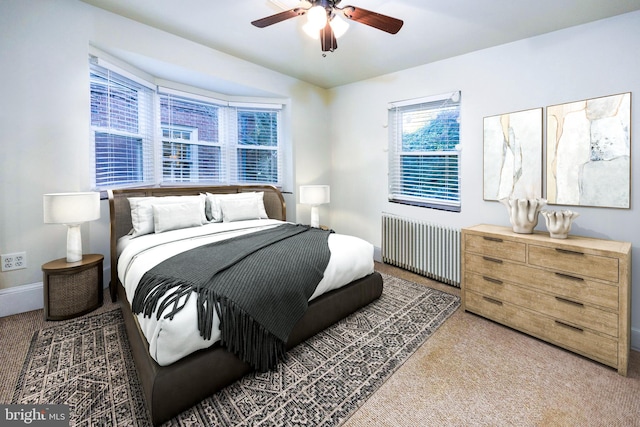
339, 26
323, 23
317, 17
311, 31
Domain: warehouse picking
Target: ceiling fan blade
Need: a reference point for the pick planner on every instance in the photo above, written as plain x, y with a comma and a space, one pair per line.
328, 39
279, 17
372, 19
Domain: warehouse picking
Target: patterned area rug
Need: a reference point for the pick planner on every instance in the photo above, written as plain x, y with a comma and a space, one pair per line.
87, 364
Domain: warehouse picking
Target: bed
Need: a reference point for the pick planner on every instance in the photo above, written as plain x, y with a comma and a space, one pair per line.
170, 388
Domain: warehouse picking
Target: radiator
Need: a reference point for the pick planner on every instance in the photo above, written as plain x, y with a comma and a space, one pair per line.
424, 248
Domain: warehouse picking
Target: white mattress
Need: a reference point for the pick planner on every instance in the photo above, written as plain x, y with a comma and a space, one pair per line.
171, 340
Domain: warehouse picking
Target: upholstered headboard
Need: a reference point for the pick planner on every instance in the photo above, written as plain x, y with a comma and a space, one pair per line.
120, 211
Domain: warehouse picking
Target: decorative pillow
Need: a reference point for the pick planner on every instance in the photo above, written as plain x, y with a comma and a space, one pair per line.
239, 209
142, 211
173, 216
212, 207
214, 211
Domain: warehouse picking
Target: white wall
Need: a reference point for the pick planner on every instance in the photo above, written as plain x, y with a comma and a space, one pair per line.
582, 62
44, 116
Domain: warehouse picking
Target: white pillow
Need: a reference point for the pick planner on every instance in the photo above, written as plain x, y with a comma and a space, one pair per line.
239, 209
214, 211
142, 211
173, 216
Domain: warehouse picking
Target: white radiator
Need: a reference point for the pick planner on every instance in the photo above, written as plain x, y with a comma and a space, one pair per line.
428, 249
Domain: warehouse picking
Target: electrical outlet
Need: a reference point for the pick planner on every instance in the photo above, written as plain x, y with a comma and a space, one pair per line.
15, 261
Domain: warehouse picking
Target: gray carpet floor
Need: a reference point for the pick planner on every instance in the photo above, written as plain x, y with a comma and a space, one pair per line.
470, 372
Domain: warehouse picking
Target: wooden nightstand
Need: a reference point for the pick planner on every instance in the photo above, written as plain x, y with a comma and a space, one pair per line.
72, 289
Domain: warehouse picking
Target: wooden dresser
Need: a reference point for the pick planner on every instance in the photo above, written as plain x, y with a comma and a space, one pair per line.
571, 292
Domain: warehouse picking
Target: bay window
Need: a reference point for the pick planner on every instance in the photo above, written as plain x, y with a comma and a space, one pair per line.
146, 135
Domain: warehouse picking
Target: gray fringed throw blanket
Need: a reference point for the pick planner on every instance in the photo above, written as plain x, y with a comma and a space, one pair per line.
258, 283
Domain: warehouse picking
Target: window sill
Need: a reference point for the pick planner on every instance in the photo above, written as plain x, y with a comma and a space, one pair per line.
428, 205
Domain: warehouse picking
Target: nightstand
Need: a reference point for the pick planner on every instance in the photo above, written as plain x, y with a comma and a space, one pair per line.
72, 288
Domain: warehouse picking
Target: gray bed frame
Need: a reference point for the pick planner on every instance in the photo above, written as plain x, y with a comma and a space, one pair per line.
170, 390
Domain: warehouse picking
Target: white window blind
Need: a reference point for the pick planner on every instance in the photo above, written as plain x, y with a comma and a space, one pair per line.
191, 140
122, 129
213, 141
424, 137
186, 138
255, 144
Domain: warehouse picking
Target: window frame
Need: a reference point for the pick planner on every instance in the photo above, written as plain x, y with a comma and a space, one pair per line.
194, 101
446, 196
235, 145
174, 143
114, 76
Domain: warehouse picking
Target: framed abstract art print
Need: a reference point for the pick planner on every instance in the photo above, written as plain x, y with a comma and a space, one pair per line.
589, 152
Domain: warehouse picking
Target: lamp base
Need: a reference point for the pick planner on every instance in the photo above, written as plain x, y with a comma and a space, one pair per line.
74, 243
315, 217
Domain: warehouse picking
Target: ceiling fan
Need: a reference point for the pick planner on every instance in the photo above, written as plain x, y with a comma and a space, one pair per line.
324, 21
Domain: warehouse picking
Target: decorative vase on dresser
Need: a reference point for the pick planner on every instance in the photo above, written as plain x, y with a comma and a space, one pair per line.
572, 292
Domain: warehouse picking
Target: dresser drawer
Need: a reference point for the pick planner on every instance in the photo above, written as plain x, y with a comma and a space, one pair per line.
575, 262
563, 334
496, 246
490, 266
575, 288
558, 307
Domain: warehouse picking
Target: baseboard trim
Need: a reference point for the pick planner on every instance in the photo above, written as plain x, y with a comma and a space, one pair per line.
21, 299
377, 254
635, 339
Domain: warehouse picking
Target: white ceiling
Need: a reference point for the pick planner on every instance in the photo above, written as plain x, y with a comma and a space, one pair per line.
433, 30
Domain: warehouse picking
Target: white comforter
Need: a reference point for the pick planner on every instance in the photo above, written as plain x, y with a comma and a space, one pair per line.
170, 340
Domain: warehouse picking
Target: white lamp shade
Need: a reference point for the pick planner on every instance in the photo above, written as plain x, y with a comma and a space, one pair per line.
317, 17
314, 195
339, 26
311, 31
71, 208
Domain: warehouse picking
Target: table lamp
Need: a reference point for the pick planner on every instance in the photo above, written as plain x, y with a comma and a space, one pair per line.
314, 195
71, 209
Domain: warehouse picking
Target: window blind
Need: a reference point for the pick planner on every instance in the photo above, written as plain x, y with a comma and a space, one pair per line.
143, 134
191, 140
234, 143
255, 148
122, 129
424, 137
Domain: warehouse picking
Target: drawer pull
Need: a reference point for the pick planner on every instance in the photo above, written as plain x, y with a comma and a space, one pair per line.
568, 301
497, 261
568, 276
568, 252
492, 239
568, 326
492, 301
492, 280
